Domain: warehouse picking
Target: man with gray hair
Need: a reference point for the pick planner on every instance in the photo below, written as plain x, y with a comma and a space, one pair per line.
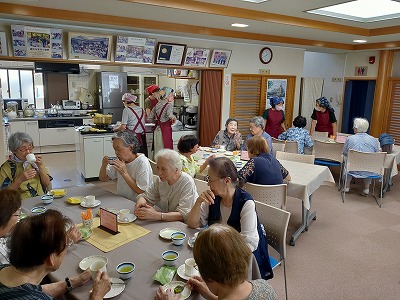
360, 141
173, 191
257, 129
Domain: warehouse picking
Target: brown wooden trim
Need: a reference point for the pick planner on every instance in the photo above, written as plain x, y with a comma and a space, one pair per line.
384, 30
374, 46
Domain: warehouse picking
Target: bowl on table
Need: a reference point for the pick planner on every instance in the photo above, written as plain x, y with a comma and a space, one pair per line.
178, 238
169, 257
126, 270
47, 198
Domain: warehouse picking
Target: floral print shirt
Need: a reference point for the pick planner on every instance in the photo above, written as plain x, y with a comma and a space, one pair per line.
189, 166
299, 135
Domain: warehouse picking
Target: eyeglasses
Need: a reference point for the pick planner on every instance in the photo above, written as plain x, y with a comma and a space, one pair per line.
24, 149
207, 179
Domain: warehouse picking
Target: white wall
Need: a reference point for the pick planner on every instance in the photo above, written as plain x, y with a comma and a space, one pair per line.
356, 59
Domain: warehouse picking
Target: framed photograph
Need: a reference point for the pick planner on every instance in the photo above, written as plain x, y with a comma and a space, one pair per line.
170, 54
89, 46
275, 88
135, 49
220, 58
196, 57
3, 44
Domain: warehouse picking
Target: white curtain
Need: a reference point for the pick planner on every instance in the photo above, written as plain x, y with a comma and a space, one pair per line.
311, 90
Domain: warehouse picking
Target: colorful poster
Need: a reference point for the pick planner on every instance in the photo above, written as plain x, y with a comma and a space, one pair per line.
196, 57
276, 88
39, 42
135, 49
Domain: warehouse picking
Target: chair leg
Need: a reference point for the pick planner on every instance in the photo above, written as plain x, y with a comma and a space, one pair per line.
284, 275
340, 177
344, 187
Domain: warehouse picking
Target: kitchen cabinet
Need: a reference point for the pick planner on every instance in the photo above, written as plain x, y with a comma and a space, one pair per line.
138, 83
29, 127
176, 135
57, 139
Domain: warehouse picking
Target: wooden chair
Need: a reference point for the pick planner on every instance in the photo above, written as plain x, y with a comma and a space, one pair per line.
292, 147
367, 162
201, 185
303, 158
153, 165
319, 135
274, 195
275, 222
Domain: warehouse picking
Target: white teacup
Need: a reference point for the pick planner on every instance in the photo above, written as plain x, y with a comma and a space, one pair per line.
222, 147
89, 200
98, 265
190, 269
30, 158
122, 214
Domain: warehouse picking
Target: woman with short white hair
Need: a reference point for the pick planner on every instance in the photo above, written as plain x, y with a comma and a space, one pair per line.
172, 194
360, 141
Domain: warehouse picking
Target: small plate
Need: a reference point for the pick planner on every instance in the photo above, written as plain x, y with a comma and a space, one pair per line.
228, 153
86, 232
166, 232
204, 148
221, 150
130, 218
117, 287
75, 199
85, 263
58, 193
38, 209
96, 203
185, 293
181, 272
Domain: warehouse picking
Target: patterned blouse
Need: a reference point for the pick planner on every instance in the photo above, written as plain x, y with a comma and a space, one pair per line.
230, 143
299, 135
189, 166
262, 290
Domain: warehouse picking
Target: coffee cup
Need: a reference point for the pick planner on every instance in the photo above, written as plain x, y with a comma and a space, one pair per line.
89, 200
122, 214
222, 147
190, 269
30, 158
96, 266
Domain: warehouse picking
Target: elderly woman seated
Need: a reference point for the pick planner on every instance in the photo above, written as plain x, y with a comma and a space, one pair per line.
131, 169
187, 146
360, 141
230, 138
38, 246
174, 191
257, 129
223, 258
298, 134
228, 204
17, 173
262, 167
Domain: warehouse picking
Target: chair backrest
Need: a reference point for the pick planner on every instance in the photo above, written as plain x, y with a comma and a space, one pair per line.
278, 141
275, 222
277, 147
274, 195
292, 147
319, 135
201, 185
366, 161
328, 151
153, 165
303, 158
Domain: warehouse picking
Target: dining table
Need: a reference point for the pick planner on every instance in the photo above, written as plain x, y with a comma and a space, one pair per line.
145, 252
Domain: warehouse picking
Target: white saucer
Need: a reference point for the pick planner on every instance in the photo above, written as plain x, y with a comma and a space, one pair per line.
96, 203
228, 153
117, 287
130, 217
185, 293
221, 150
166, 232
181, 272
85, 263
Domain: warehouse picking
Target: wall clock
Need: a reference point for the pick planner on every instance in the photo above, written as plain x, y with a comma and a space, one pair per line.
266, 55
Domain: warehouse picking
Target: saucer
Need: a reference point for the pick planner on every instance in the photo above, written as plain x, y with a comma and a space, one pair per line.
38, 209
166, 232
221, 150
181, 272
117, 287
185, 293
130, 218
228, 153
96, 203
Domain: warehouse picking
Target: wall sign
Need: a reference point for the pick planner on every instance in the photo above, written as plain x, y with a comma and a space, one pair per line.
360, 71
170, 54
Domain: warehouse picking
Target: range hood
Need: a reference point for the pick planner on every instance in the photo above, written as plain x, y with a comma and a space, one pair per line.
44, 67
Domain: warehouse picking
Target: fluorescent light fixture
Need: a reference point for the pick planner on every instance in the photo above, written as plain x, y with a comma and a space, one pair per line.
359, 41
255, 1
362, 10
239, 25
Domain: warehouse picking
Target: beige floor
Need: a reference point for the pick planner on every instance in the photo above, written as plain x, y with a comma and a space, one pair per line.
350, 252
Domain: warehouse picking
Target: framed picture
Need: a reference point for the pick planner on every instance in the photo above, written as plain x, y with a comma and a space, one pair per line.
220, 58
196, 57
275, 88
135, 50
89, 46
170, 54
3, 44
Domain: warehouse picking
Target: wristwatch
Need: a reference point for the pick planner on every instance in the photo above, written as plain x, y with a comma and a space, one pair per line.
69, 285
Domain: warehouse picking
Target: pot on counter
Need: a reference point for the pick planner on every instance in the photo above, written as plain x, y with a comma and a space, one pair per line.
29, 111
100, 119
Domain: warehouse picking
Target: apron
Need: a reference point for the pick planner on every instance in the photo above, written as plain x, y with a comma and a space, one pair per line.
141, 136
323, 123
273, 126
166, 129
153, 103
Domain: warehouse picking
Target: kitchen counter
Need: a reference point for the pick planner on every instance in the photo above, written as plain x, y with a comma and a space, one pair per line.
49, 118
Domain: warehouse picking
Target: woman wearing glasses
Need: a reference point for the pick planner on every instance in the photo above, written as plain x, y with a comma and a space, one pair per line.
228, 204
17, 173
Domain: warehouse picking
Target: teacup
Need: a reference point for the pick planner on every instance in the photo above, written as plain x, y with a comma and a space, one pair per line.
47, 199
96, 266
30, 158
170, 257
178, 238
89, 200
122, 214
222, 147
190, 269
126, 270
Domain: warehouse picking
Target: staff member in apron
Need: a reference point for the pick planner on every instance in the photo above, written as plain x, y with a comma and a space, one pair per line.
152, 99
275, 117
162, 115
133, 119
323, 118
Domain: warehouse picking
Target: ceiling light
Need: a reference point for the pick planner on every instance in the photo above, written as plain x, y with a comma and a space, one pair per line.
239, 25
359, 41
362, 10
255, 1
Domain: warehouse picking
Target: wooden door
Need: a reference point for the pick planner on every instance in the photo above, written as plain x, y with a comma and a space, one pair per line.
393, 122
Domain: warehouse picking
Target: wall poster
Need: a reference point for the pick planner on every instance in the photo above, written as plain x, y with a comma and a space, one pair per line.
135, 49
276, 88
220, 58
3, 44
89, 46
196, 57
29, 41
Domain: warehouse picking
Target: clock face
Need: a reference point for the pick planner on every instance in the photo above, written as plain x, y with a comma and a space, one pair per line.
265, 55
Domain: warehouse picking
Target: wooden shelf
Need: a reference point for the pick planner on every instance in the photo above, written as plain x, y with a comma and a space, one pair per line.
182, 77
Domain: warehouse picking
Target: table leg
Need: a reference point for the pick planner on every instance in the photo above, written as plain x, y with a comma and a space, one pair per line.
306, 219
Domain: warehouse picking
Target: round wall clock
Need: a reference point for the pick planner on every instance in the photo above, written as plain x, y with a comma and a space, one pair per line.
266, 55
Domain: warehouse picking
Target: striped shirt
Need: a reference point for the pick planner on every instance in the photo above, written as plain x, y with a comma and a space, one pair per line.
360, 142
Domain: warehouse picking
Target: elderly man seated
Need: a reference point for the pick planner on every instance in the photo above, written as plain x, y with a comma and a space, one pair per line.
174, 192
257, 129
